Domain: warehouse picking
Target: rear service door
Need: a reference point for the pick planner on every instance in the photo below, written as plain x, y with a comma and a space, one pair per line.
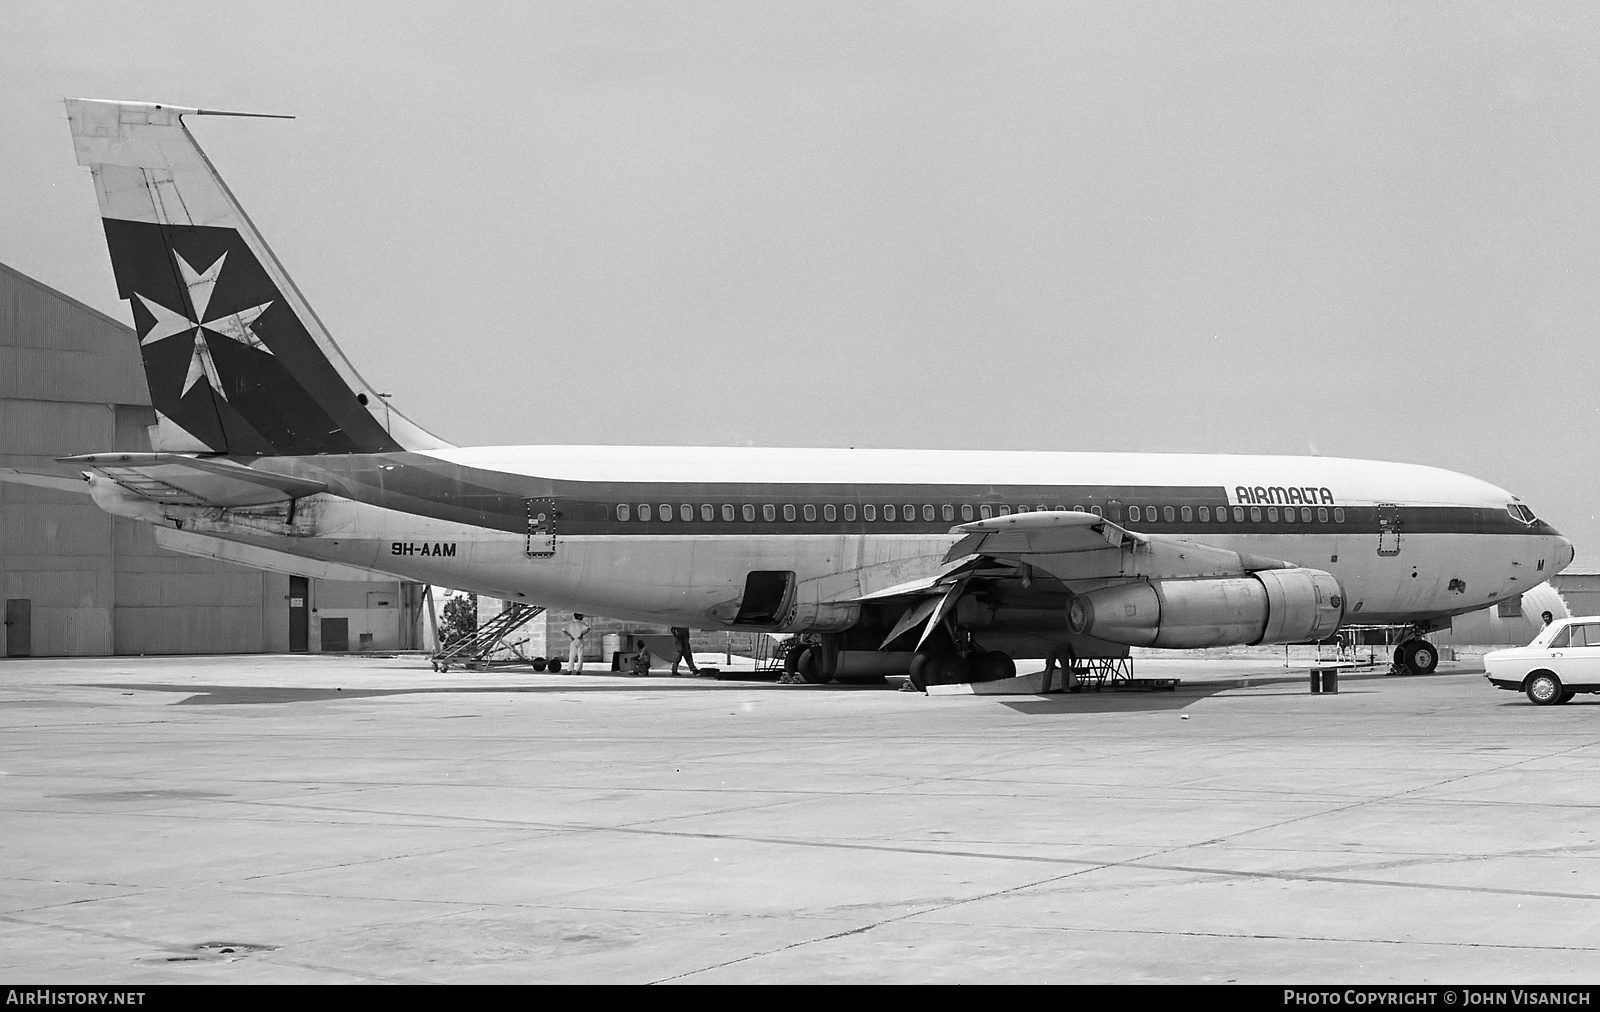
1388, 529
19, 627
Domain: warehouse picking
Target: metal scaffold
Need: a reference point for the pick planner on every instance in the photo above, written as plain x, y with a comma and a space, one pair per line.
473, 651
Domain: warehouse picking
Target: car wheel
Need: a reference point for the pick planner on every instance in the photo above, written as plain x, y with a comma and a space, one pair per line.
1544, 689
1566, 696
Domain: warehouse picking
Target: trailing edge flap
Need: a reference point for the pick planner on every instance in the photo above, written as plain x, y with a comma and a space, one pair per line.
933, 584
207, 547
56, 482
1066, 545
942, 609
176, 479
914, 614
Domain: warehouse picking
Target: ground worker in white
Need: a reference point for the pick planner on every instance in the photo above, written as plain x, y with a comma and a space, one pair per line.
576, 630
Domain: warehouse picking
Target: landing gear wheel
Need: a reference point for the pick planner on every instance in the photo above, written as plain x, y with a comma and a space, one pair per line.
554, 665
1416, 657
807, 668
917, 674
993, 666
948, 669
1544, 689
539, 664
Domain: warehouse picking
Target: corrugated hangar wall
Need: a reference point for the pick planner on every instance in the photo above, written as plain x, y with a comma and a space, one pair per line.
77, 581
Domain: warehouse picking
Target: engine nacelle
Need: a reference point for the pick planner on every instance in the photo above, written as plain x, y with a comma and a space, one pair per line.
1270, 606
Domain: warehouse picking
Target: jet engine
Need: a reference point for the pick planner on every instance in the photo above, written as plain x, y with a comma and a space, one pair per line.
1270, 606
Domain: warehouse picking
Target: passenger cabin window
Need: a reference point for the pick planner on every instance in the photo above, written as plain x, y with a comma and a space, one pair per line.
1322, 514
1022, 509
1095, 510
1205, 514
708, 512
769, 512
1168, 515
984, 512
1238, 514
850, 511
909, 512
869, 512
1188, 514
622, 511
665, 512
727, 511
1338, 515
949, 511
810, 512
828, 513
686, 512
927, 513
749, 513
644, 511
888, 511
1133, 514
1255, 514
1272, 514
788, 512
1005, 510
966, 511
1305, 514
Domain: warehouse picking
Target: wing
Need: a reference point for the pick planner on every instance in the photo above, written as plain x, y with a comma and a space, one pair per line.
1045, 553
176, 479
1084, 547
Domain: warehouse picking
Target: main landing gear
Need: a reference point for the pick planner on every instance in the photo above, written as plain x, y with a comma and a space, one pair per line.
947, 667
1415, 656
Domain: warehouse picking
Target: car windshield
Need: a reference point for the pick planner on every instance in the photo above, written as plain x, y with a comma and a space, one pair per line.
1548, 634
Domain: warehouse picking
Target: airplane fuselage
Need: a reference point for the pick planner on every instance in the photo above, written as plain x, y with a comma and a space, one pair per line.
670, 535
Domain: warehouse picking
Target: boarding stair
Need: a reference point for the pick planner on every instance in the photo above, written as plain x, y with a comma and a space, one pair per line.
473, 651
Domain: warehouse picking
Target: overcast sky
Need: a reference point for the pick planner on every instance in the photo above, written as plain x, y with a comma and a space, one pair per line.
1362, 230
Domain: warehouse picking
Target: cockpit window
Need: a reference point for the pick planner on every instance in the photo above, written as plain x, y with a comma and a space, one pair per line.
1521, 512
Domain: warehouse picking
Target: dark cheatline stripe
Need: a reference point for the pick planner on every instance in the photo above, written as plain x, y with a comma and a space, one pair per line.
426, 486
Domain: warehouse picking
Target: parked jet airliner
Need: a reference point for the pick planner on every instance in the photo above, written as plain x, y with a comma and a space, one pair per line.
272, 451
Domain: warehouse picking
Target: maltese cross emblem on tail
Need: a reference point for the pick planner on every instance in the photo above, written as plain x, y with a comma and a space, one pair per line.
234, 326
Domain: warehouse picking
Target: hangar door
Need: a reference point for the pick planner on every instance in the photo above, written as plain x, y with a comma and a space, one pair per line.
19, 627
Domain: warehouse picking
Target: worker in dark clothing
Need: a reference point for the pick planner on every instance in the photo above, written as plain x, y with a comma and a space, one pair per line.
685, 651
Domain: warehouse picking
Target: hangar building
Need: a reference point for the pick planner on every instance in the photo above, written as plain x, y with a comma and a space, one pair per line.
77, 581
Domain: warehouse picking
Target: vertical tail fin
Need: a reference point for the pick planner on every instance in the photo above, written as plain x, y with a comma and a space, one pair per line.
236, 361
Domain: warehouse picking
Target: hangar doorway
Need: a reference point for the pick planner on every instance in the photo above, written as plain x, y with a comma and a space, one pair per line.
19, 627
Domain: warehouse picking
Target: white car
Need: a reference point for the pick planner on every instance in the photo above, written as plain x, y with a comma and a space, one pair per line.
1562, 661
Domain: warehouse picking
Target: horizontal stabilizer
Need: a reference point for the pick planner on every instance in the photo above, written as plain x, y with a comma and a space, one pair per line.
207, 547
60, 483
176, 479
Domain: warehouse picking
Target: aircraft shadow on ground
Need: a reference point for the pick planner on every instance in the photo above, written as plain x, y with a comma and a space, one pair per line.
234, 695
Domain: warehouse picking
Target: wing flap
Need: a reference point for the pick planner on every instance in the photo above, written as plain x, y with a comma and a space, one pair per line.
176, 479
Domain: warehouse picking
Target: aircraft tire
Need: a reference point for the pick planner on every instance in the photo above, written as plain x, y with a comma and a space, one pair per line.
1544, 689
948, 669
554, 665
807, 667
917, 673
993, 666
1422, 657
539, 664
